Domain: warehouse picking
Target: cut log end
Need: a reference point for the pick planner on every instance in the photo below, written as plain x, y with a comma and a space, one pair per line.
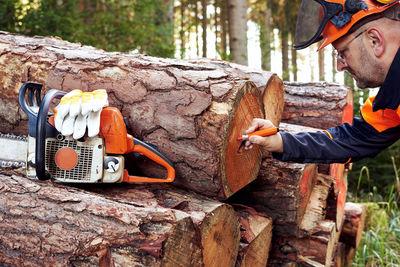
241, 166
273, 100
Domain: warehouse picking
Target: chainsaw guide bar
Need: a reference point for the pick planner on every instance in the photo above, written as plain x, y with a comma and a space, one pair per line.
13, 151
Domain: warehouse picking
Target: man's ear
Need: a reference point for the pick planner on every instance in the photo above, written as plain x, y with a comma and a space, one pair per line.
376, 41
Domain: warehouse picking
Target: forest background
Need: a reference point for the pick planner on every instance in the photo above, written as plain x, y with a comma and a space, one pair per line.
258, 33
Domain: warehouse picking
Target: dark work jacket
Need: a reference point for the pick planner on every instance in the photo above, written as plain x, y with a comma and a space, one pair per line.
378, 128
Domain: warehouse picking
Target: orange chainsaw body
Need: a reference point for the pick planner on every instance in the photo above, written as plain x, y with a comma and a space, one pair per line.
118, 141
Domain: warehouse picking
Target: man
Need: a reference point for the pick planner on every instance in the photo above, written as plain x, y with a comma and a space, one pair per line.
366, 36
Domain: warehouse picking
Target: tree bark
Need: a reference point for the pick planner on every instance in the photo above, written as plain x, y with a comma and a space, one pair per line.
320, 105
282, 190
238, 31
314, 250
355, 215
216, 223
256, 235
189, 111
45, 224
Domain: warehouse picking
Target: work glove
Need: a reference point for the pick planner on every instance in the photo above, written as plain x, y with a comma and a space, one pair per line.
78, 111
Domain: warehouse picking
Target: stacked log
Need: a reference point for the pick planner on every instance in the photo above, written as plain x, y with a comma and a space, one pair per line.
44, 224
226, 204
189, 110
350, 236
193, 112
319, 105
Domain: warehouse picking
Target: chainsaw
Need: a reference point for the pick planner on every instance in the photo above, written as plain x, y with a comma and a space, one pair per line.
47, 154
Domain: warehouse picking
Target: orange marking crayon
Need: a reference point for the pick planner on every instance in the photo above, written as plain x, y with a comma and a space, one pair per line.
264, 132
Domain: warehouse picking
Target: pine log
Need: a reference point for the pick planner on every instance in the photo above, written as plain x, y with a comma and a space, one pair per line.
45, 224
269, 84
355, 215
255, 237
337, 195
318, 104
216, 223
192, 112
314, 250
316, 208
339, 258
282, 190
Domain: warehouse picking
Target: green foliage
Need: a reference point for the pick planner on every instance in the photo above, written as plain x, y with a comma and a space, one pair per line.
114, 25
381, 172
380, 243
8, 11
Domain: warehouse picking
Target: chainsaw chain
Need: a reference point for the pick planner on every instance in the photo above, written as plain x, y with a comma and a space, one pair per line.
11, 163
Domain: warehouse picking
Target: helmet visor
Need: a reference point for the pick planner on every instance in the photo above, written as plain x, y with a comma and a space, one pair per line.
309, 23
311, 20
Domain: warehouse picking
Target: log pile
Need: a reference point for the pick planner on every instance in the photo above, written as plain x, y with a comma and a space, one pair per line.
226, 207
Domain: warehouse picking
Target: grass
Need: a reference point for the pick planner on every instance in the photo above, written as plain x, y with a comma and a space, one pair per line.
380, 244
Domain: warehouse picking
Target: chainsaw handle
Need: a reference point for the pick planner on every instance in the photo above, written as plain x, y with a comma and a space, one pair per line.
153, 154
33, 91
40, 151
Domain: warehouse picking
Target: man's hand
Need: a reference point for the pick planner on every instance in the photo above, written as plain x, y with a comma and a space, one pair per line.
272, 143
78, 110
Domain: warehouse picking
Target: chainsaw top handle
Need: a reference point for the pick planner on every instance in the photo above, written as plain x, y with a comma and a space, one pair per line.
41, 132
29, 99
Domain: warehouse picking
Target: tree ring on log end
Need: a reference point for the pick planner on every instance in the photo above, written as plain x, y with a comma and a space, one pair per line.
240, 166
220, 237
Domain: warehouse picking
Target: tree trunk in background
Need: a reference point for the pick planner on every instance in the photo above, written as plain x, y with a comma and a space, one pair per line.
334, 67
196, 14
294, 63
224, 29
168, 5
204, 26
285, 55
321, 64
238, 31
266, 38
182, 30
348, 80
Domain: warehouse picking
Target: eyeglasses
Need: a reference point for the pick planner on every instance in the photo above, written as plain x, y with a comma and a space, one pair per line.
339, 54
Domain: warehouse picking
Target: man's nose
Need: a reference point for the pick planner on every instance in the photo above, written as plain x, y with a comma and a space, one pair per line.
341, 65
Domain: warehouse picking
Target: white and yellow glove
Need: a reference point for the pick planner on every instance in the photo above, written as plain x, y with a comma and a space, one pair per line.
78, 110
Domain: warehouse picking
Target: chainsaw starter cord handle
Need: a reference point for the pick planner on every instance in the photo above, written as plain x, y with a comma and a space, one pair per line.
40, 151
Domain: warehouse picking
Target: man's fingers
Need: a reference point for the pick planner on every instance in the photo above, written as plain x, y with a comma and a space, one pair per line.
259, 124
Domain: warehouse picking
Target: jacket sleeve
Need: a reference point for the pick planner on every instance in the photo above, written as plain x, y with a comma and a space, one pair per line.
345, 143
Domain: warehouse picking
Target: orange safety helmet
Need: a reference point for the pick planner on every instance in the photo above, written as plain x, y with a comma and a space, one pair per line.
328, 20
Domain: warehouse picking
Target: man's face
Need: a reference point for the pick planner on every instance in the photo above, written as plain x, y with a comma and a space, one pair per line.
361, 63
